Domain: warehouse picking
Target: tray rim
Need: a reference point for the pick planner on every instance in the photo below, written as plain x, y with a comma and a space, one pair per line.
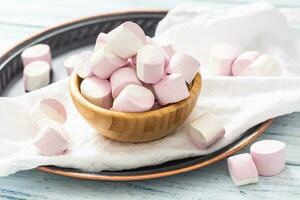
92, 176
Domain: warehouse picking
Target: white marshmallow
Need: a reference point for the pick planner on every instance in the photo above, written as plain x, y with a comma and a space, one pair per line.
206, 130
97, 91
83, 66
134, 98
221, 59
101, 40
36, 75
126, 39
39, 52
104, 62
150, 63
264, 65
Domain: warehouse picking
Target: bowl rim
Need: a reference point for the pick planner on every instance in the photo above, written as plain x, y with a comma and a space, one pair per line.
75, 93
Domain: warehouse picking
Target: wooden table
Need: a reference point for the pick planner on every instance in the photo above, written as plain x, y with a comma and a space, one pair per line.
22, 18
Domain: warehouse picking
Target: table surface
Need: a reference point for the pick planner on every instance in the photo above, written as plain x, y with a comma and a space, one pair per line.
19, 19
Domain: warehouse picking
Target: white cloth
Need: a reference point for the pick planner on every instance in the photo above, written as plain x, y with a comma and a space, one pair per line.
240, 102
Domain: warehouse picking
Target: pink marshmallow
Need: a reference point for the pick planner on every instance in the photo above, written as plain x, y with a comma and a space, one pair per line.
243, 61
101, 41
71, 62
51, 140
48, 108
37, 52
269, 157
83, 67
134, 98
104, 62
121, 78
169, 51
221, 59
36, 75
126, 39
183, 64
242, 169
150, 63
206, 130
97, 91
171, 89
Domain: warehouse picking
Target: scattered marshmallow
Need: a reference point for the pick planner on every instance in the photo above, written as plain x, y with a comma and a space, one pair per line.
101, 41
35, 53
104, 62
171, 89
51, 140
48, 108
36, 75
126, 39
150, 63
242, 169
269, 157
243, 61
221, 58
183, 64
121, 78
206, 130
134, 98
97, 91
71, 62
264, 65
83, 66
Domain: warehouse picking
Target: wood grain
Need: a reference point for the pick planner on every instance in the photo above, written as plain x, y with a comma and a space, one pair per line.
135, 127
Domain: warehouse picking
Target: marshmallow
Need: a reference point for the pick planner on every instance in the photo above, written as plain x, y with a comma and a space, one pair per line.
169, 51
134, 98
36, 75
150, 63
48, 108
171, 89
206, 130
221, 59
149, 40
126, 39
83, 67
183, 64
37, 52
268, 156
242, 169
104, 62
51, 140
101, 40
264, 65
97, 91
243, 61
71, 62
121, 78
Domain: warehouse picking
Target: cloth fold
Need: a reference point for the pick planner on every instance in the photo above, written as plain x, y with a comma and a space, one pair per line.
240, 102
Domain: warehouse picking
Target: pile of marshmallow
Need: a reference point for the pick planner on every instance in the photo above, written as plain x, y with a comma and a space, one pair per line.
266, 158
225, 61
129, 72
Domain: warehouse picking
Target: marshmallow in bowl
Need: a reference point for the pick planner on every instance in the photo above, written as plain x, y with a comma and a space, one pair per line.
221, 59
121, 78
83, 67
171, 89
37, 52
150, 63
48, 108
71, 62
36, 75
169, 51
126, 39
243, 61
242, 169
268, 156
97, 91
51, 140
264, 65
104, 62
183, 64
101, 40
205, 130
134, 98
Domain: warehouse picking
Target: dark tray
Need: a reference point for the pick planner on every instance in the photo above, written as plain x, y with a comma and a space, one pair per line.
67, 38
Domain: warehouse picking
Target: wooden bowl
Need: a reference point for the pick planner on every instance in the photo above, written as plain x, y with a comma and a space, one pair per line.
134, 127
